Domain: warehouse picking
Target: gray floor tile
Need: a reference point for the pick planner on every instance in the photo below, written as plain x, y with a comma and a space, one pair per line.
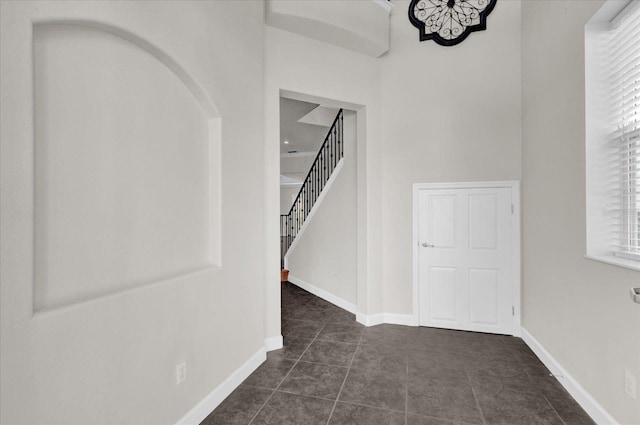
318, 302
293, 347
485, 347
570, 412
490, 384
564, 405
424, 420
314, 380
341, 333
301, 329
533, 369
270, 373
330, 352
350, 414
342, 317
240, 407
443, 398
292, 409
390, 335
494, 366
431, 376
517, 408
372, 388
319, 315
435, 363
381, 358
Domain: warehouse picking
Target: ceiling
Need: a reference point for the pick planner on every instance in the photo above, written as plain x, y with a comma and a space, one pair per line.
304, 138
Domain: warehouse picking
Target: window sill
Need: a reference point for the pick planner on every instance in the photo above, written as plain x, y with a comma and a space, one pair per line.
617, 260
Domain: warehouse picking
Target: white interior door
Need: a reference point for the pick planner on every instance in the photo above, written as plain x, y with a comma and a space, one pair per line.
466, 275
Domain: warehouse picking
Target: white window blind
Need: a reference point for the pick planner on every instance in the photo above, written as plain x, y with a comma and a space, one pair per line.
623, 130
612, 129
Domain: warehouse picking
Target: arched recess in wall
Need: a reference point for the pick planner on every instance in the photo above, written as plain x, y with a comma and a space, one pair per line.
127, 165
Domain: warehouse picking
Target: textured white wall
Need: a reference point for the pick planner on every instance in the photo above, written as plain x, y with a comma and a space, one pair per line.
578, 309
449, 114
325, 254
122, 167
113, 359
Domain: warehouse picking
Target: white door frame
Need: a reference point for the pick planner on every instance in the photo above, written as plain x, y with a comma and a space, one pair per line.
514, 185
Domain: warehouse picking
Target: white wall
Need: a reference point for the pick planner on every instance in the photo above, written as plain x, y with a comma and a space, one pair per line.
449, 114
113, 357
287, 194
298, 65
578, 309
324, 254
122, 169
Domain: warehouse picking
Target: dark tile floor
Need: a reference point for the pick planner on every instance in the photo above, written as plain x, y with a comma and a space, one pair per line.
334, 371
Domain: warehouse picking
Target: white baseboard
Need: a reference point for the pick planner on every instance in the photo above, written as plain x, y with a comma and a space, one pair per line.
222, 391
584, 399
273, 343
369, 319
390, 318
400, 319
327, 296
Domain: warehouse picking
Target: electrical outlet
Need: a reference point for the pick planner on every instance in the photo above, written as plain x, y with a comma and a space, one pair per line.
630, 384
181, 373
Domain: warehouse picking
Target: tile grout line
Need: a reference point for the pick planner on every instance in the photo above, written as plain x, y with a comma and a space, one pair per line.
510, 353
475, 397
406, 391
344, 402
344, 381
262, 407
554, 409
283, 379
473, 391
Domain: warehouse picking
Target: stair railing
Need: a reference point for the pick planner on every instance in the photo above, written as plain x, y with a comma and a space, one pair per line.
329, 154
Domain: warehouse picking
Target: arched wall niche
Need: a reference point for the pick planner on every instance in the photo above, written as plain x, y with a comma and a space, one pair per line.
127, 165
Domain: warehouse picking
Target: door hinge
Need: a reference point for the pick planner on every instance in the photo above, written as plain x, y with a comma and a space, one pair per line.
512, 208
513, 311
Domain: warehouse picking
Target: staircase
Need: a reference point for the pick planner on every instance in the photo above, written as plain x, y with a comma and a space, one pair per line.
328, 157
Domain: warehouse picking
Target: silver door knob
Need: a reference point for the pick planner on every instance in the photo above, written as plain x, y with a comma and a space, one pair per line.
426, 245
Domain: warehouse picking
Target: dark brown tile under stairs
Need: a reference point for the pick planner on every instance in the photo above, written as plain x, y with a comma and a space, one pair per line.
334, 371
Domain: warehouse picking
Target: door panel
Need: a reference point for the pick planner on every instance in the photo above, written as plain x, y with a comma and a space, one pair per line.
484, 286
465, 261
442, 226
483, 225
443, 293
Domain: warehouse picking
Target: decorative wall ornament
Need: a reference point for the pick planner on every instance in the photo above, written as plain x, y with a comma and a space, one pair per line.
448, 22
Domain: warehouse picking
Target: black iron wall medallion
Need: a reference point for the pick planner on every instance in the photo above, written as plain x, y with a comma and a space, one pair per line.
448, 22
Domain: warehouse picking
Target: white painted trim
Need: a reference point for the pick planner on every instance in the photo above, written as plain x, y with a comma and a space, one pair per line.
516, 243
514, 185
327, 296
390, 318
273, 343
316, 205
615, 261
201, 410
584, 399
369, 320
399, 319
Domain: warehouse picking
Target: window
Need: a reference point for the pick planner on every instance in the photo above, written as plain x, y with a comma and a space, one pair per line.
612, 71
